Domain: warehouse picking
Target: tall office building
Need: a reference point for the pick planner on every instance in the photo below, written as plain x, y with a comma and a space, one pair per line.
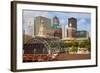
57, 30
42, 26
72, 28
83, 34
55, 22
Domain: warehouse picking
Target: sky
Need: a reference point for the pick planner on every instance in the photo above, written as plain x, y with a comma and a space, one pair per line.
83, 19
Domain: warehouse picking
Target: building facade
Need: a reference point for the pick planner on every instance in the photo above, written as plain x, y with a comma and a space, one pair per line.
42, 26
72, 28
57, 30
82, 35
55, 22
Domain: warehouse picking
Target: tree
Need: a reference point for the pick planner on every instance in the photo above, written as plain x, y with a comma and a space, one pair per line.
74, 49
69, 44
63, 44
85, 44
72, 45
75, 44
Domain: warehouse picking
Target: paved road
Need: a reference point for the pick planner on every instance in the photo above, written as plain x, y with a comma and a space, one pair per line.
64, 56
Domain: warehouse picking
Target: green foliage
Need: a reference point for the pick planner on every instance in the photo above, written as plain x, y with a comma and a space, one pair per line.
85, 44
73, 49
63, 44
54, 44
75, 44
69, 44
72, 43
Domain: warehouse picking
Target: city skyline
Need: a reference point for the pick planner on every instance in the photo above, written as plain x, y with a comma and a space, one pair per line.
83, 19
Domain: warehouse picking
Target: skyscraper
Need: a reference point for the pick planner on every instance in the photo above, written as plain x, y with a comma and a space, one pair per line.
42, 26
55, 22
57, 30
72, 28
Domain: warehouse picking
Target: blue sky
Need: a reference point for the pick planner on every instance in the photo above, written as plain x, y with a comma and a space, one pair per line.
83, 19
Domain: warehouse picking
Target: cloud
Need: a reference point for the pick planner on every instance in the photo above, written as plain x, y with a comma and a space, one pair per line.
78, 15
28, 19
28, 27
84, 24
33, 13
83, 19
